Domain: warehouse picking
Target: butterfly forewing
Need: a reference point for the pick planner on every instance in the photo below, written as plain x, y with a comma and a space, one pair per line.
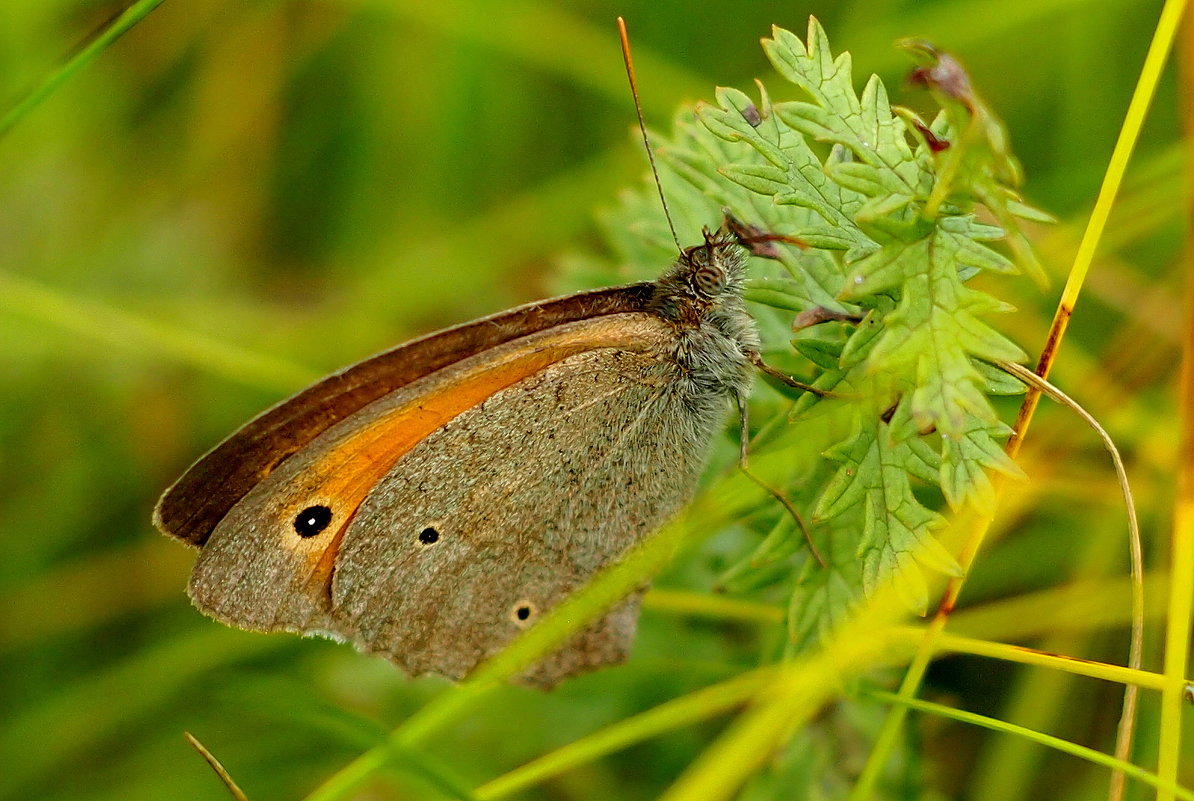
526, 501
268, 564
431, 502
200, 499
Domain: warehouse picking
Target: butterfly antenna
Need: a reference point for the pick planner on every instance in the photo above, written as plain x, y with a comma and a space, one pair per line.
642, 126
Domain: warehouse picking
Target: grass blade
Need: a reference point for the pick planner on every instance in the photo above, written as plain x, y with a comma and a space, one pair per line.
121, 25
1064, 746
694, 707
1181, 551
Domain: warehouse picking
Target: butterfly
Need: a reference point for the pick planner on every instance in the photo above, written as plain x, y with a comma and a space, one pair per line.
429, 503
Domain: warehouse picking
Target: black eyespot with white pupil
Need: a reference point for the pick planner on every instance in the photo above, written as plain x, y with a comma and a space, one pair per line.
708, 280
312, 520
428, 536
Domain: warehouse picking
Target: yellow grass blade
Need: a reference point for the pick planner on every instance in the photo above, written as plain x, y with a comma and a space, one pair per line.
1181, 555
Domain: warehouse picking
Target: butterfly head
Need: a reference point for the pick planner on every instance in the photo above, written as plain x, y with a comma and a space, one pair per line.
703, 277
713, 267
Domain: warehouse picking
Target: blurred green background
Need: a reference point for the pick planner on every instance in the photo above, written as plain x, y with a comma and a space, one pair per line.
241, 195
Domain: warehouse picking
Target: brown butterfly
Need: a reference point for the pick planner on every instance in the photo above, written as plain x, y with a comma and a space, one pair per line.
429, 503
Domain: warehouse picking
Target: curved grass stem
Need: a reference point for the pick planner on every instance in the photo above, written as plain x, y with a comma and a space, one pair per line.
1064, 746
1146, 86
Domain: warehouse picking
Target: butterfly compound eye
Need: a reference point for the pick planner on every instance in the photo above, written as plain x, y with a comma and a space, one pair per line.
709, 280
312, 520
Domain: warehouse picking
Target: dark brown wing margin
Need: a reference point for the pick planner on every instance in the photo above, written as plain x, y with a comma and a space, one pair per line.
191, 508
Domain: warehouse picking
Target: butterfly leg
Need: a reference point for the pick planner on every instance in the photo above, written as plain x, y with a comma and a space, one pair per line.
743, 440
757, 360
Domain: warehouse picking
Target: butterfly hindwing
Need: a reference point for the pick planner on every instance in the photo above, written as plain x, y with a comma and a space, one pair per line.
498, 515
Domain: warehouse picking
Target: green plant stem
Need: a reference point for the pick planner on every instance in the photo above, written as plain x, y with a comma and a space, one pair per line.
798, 691
114, 327
715, 607
1030, 656
117, 28
694, 707
1127, 723
1056, 743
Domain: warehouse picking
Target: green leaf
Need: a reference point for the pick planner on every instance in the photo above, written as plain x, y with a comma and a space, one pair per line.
897, 528
979, 162
779, 544
822, 599
997, 381
934, 334
966, 461
891, 229
825, 355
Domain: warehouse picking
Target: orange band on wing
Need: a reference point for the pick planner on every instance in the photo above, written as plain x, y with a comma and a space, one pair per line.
357, 462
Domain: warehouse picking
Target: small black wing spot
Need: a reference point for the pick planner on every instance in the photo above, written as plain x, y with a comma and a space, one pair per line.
522, 613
